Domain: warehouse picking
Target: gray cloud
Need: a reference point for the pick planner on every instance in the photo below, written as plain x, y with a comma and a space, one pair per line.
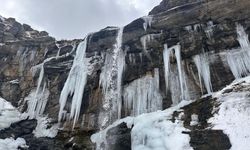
67, 19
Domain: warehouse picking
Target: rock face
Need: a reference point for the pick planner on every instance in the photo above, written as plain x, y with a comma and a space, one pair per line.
197, 26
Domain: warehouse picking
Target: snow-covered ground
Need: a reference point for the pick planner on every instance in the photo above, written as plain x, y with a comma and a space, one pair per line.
233, 115
8, 114
12, 144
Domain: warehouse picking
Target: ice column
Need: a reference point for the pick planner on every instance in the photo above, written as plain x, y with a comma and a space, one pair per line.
239, 59
75, 83
202, 63
111, 79
143, 95
169, 70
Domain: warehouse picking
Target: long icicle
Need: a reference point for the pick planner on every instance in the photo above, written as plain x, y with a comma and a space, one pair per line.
75, 83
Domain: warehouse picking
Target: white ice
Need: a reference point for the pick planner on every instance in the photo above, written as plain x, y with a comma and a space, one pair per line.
143, 95
239, 59
177, 85
147, 22
111, 80
152, 131
75, 83
202, 63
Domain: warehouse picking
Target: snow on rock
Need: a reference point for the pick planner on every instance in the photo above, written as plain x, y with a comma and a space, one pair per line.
233, 116
12, 144
151, 131
42, 129
8, 114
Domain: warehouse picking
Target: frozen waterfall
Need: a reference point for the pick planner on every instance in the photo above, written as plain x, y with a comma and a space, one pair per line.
178, 85
75, 83
37, 100
239, 59
143, 95
202, 63
111, 79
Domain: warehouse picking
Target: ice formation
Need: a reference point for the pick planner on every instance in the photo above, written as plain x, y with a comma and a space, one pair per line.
75, 83
239, 59
147, 22
111, 79
175, 81
143, 95
202, 63
151, 131
37, 100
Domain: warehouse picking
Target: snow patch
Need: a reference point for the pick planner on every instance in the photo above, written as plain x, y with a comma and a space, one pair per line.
233, 116
8, 114
12, 144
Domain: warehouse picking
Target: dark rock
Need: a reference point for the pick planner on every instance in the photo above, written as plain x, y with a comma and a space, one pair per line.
119, 137
27, 27
209, 139
44, 33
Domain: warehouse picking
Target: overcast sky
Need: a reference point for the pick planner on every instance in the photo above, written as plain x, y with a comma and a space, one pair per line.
68, 19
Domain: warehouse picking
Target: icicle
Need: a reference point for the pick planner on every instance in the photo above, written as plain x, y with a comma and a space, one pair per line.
111, 79
166, 58
143, 95
177, 84
239, 63
147, 22
239, 59
38, 101
242, 37
75, 83
202, 64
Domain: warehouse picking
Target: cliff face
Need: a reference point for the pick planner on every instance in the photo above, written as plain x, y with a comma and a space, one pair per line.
193, 38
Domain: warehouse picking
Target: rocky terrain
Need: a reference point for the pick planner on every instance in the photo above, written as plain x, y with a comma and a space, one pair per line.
65, 91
